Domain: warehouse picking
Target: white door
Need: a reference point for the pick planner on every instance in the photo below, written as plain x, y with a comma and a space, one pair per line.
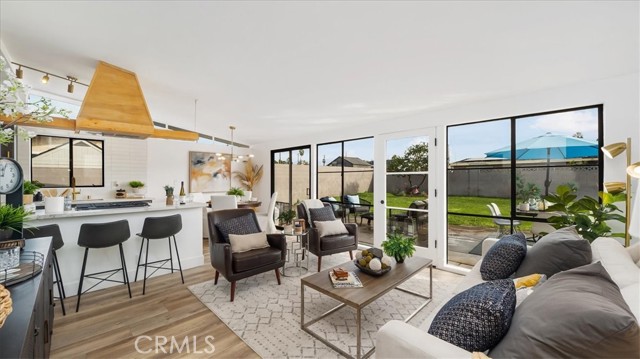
406, 185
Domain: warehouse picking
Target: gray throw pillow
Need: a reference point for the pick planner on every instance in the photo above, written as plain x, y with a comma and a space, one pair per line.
478, 318
504, 257
557, 251
239, 225
321, 214
579, 313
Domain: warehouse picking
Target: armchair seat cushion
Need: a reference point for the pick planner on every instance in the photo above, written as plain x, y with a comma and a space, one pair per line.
337, 241
255, 258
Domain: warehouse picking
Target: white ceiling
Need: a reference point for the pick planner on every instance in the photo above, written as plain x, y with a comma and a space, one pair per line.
305, 67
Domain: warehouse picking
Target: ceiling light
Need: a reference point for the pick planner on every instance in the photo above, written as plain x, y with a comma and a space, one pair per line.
19, 72
45, 78
70, 85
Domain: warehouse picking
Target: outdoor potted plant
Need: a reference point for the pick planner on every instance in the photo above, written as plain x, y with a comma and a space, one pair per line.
11, 219
137, 186
525, 192
250, 177
399, 246
236, 191
28, 190
169, 192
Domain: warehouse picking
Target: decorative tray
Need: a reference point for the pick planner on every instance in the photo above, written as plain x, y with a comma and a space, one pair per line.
376, 273
30, 265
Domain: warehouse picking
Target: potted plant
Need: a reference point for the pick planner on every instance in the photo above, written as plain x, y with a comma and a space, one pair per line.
137, 186
287, 217
29, 188
250, 177
169, 192
587, 213
399, 246
11, 219
525, 192
236, 191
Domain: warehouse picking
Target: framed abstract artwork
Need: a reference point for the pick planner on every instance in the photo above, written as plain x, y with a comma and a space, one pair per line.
207, 173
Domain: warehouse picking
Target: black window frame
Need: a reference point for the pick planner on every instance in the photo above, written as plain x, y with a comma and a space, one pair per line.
71, 175
341, 142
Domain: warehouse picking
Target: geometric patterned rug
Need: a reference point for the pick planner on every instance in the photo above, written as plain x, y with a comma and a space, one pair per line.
266, 316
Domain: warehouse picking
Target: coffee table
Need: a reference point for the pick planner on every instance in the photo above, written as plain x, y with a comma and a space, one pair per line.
359, 298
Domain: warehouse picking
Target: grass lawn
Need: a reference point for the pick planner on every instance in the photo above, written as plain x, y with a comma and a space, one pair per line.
469, 205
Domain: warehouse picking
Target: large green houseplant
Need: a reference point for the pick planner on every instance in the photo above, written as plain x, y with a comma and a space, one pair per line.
399, 246
588, 214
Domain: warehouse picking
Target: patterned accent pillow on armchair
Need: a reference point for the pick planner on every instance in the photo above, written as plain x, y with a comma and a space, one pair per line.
321, 215
238, 225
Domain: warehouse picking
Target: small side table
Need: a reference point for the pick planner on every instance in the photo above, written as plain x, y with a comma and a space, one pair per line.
296, 250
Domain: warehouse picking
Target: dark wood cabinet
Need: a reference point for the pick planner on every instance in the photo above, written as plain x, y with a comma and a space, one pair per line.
28, 329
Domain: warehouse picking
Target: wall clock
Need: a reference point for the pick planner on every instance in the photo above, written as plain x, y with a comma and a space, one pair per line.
11, 178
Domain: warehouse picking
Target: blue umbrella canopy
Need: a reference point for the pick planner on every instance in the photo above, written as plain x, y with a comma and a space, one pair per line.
549, 146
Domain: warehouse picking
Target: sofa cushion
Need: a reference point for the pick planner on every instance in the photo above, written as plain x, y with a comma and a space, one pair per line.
557, 251
256, 258
576, 313
246, 242
238, 225
331, 228
339, 241
477, 318
321, 214
503, 259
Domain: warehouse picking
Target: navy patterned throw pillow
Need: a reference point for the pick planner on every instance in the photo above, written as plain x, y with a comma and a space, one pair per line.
238, 225
321, 214
478, 318
504, 258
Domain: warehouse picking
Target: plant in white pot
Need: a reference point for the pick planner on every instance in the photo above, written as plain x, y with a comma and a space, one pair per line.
138, 187
235, 191
11, 219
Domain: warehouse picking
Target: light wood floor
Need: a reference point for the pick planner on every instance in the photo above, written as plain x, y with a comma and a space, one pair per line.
109, 322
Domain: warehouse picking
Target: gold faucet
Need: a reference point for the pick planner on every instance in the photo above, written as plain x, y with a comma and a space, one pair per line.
73, 189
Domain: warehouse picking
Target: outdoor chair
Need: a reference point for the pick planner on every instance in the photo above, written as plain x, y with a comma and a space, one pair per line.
356, 206
504, 225
322, 246
240, 265
419, 218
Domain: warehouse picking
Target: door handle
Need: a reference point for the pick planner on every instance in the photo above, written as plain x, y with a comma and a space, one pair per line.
382, 201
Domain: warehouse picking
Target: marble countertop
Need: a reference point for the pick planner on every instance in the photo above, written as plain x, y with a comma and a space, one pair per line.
40, 214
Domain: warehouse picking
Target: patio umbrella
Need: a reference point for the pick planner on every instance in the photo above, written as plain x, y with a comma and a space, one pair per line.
549, 146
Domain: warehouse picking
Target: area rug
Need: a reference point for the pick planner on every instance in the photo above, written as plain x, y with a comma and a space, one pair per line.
266, 316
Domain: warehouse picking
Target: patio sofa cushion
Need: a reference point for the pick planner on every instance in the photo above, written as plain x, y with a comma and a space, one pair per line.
321, 214
478, 318
555, 252
238, 225
579, 313
504, 258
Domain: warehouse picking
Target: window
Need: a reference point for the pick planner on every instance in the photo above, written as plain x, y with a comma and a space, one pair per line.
499, 172
55, 161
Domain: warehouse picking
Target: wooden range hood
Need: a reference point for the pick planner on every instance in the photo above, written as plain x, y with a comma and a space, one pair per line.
114, 105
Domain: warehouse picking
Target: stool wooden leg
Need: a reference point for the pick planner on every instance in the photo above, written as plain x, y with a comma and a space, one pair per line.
84, 266
177, 256
125, 275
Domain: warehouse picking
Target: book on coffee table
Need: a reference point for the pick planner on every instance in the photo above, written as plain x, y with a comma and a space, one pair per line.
352, 281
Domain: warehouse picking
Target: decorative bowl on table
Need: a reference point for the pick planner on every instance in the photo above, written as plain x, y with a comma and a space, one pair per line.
373, 262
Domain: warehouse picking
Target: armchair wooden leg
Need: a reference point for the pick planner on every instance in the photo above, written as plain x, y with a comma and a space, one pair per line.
215, 281
278, 275
233, 290
319, 263
351, 254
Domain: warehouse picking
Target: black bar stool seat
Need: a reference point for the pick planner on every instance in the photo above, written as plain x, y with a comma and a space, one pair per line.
159, 228
51, 230
103, 235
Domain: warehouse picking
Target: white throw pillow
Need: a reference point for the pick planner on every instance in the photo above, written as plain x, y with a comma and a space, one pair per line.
246, 242
330, 228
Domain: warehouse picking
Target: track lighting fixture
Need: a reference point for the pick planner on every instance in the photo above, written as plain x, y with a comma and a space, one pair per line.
45, 78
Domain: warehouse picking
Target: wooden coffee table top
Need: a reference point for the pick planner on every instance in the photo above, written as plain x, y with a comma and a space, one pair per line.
373, 287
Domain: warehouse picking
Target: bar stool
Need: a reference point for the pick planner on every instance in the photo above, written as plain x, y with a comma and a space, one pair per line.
51, 230
103, 235
158, 228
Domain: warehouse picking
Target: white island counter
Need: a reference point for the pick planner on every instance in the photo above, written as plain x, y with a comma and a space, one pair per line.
70, 256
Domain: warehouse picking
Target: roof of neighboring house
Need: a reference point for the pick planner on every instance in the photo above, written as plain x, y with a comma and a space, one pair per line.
354, 161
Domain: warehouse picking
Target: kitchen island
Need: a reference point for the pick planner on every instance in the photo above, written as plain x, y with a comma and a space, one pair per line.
189, 240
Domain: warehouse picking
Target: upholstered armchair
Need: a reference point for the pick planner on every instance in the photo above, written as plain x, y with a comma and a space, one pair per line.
236, 266
322, 246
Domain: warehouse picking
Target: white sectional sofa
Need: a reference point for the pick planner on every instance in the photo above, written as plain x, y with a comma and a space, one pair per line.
397, 339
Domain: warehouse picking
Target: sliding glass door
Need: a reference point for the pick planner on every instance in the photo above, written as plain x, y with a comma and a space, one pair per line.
291, 175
